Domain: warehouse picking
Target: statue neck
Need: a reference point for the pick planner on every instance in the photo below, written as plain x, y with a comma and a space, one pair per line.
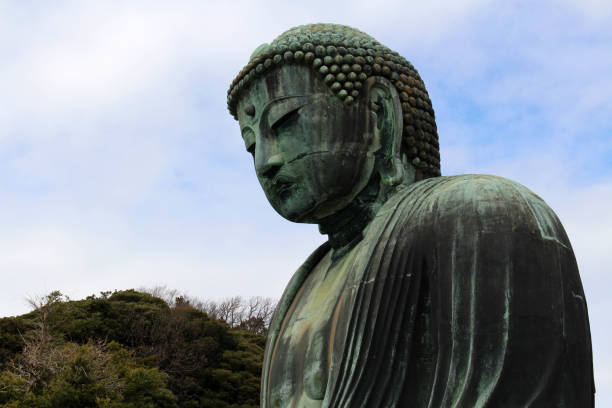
345, 228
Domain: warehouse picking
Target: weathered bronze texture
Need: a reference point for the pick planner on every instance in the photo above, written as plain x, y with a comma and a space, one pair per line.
432, 291
345, 58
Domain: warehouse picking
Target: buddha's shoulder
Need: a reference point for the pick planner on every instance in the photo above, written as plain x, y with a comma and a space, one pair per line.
491, 200
470, 188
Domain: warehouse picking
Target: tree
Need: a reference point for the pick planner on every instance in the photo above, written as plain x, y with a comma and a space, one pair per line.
130, 349
252, 314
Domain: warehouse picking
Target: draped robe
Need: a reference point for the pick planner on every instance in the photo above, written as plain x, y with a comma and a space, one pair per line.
465, 293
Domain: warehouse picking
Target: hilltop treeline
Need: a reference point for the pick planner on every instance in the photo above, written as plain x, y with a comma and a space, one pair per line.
131, 349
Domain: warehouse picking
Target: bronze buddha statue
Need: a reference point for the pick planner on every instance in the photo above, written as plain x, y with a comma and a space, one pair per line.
431, 291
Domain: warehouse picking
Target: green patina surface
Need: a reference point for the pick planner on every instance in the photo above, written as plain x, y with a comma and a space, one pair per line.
432, 291
345, 58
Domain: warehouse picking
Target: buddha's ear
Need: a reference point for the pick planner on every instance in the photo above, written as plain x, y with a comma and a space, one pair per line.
384, 112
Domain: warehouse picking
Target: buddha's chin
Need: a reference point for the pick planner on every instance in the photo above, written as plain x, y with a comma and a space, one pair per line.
307, 211
296, 207
295, 213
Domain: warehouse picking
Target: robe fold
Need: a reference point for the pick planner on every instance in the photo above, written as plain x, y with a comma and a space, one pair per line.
465, 293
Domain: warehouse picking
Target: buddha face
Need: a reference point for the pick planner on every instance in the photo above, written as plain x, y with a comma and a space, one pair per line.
313, 154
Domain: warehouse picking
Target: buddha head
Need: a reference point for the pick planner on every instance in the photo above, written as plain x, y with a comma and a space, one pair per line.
331, 117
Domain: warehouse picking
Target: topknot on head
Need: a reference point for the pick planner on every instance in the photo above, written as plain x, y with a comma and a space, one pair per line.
345, 58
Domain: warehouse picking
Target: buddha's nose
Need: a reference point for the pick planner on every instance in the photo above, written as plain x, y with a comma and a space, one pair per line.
271, 166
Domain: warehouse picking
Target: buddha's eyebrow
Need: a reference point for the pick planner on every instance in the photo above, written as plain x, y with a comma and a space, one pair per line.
282, 98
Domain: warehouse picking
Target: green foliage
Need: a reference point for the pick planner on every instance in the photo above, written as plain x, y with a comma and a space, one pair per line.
11, 341
90, 375
125, 350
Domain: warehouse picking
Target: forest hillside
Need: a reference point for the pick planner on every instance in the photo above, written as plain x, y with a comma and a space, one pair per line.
131, 349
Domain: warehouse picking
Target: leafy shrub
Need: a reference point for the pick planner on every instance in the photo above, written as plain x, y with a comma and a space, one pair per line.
126, 350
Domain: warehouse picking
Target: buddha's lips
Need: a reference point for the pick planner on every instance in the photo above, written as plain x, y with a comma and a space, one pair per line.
284, 189
283, 177
282, 184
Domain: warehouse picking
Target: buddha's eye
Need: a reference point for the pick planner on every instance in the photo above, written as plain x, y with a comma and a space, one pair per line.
285, 112
286, 120
249, 140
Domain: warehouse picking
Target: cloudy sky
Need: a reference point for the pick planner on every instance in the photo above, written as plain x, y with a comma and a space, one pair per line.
120, 166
